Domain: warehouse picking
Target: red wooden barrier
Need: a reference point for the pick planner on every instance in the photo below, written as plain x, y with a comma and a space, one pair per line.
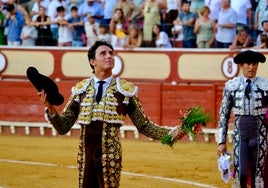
168, 80
161, 102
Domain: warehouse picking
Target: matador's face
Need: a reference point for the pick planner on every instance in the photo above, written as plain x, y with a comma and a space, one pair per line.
249, 69
104, 60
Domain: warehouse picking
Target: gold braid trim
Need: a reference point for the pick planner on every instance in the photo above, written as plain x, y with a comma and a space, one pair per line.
81, 157
111, 155
106, 109
81, 86
143, 123
128, 89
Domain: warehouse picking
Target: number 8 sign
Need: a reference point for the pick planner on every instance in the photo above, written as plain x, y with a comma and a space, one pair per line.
229, 68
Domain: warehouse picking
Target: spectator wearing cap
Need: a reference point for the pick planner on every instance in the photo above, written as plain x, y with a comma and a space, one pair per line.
91, 8
246, 96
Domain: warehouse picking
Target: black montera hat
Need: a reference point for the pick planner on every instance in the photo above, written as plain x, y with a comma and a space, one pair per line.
40, 82
249, 56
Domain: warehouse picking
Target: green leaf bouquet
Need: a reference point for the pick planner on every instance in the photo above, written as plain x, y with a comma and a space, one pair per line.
192, 121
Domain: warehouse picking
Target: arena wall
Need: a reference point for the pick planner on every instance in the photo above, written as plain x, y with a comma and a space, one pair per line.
168, 80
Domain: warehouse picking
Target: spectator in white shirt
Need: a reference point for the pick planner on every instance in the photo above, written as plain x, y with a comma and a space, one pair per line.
28, 34
160, 38
64, 32
244, 14
92, 30
226, 26
214, 7
52, 13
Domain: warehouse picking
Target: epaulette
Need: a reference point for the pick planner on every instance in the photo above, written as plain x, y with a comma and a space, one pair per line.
81, 86
128, 89
262, 83
233, 84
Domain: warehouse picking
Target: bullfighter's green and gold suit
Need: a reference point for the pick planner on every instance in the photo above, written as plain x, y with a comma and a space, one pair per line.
100, 125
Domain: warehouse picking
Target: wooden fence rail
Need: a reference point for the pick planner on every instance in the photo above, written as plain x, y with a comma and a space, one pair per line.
45, 129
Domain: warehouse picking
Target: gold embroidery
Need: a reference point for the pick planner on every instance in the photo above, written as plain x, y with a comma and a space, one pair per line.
106, 110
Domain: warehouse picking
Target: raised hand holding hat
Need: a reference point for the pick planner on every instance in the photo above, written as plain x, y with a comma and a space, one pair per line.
42, 82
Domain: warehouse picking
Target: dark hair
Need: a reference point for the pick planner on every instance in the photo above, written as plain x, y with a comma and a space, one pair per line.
186, 2
60, 9
122, 18
159, 27
74, 8
264, 39
92, 50
120, 9
264, 21
10, 7
153, 34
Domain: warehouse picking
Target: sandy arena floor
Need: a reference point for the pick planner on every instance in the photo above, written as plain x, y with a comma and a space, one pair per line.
42, 162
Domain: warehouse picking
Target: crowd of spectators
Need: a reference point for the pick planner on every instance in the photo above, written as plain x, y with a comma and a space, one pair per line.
232, 24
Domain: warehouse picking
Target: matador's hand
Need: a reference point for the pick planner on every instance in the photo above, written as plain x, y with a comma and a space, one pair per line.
43, 99
222, 148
